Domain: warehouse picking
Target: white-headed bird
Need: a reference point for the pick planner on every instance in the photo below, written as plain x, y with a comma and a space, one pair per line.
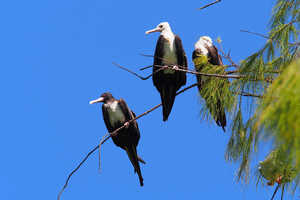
168, 52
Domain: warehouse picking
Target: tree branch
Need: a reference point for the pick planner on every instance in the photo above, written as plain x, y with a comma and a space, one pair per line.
254, 33
139, 76
210, 4
245, 94
67, 181
180, 69
143, 68
277, 187
227, 56
104, 138
282, 191
114, 133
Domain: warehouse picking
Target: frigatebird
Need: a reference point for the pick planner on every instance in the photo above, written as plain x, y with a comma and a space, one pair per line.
204, 48
168, 52
116, 113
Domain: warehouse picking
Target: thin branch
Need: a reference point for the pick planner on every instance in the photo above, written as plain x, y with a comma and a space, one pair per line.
210, 4
277, 187
143, 68
104, 138
232, 72
180, 69
141, 77
205, 74
114, 133
67, 181
245, 94
266, 37
146, 55
227, 57
254, 33
282, 191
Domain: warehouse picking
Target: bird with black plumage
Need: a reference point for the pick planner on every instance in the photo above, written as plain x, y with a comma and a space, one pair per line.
206, 57
168, 52
116, 113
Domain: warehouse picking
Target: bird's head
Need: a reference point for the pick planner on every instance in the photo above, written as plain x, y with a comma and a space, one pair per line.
105, 97
206, 40
162, 27
202, 43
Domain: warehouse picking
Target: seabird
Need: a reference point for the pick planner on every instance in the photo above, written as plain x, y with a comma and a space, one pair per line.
168, 52
116, 113
206, 53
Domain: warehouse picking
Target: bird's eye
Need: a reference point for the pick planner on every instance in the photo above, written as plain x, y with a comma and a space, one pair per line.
160, 26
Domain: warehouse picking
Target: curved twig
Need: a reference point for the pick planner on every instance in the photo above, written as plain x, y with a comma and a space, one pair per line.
210, 4
114, 133
104, 138
67, 181
137, 75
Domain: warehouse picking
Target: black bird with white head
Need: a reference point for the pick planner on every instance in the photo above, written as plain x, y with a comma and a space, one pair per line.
168, 52
204, 48
116, 113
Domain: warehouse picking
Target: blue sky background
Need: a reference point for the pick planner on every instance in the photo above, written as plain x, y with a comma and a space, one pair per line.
56, 56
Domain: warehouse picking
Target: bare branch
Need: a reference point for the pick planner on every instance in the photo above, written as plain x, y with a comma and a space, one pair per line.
266, 37
143, 68
210, 4
227, 57
245, 94
104, 138
254, 33
204, 74
180, 69
67, 181
282, 191
277, 187
141, 77
232, 72
114, 133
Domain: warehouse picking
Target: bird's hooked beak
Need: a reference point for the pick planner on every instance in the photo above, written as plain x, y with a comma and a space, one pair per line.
153, 30
101, 99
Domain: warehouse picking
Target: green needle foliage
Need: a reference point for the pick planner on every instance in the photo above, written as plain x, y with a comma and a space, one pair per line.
274, 73
213, 90
277, 168
278, 115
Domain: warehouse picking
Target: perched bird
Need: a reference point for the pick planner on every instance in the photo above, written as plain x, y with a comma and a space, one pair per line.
168, 52
206, 53
116, 114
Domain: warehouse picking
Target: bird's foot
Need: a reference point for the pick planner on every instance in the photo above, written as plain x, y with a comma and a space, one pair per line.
175, 67
279, 179
126, 124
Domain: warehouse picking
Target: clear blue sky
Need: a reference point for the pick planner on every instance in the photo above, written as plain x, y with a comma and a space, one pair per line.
56, 56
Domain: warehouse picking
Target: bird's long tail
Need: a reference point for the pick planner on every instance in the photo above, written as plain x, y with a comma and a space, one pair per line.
132, 154
221, 116
167, 95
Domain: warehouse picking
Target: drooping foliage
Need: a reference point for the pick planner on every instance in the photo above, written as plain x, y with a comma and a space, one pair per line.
213, 90
274, 73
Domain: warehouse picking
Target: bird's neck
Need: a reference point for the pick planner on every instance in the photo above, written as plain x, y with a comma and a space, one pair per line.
110, 102
168, 34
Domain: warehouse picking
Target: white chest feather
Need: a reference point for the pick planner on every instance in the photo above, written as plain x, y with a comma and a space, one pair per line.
115, 113
170, 57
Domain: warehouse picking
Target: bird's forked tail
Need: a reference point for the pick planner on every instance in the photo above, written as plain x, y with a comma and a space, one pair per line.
132, 154
167, 95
